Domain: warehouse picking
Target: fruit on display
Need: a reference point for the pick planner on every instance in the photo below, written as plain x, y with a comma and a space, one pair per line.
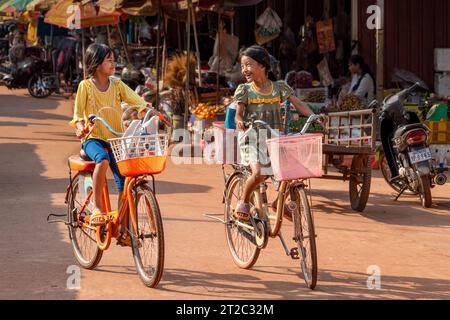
315, 97
350, 102
205, 111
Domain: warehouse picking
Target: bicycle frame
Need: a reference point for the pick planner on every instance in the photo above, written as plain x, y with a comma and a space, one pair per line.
261, 205
115, 218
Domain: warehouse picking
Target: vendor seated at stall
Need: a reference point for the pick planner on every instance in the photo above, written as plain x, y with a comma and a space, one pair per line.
363, 81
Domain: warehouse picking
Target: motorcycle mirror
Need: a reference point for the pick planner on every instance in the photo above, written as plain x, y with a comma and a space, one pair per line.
373, 104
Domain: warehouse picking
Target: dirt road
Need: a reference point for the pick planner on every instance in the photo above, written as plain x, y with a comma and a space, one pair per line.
409, 245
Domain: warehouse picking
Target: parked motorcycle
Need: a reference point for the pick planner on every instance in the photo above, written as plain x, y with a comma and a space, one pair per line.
406, 158
17, 76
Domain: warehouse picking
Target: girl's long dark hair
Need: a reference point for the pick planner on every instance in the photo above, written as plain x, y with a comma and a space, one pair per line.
95, 55
260, 55
357, 59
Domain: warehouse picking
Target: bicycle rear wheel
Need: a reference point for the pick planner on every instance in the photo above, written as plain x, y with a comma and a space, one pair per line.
83, 239
148, 242
241, 242
305, 236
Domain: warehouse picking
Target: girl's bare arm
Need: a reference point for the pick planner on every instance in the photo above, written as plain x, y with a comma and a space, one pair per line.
301, 107
239, 119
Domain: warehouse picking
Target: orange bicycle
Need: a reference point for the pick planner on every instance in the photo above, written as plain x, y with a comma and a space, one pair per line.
138, 157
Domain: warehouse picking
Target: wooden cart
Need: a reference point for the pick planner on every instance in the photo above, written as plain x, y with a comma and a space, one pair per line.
351, 134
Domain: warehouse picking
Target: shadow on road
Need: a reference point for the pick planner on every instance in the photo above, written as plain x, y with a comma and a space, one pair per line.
27, 108
332, 285
381, 208
34, 256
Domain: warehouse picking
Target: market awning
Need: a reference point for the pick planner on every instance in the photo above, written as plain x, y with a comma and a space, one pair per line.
134, 7
14, 5
37, 5
208, 4
77, 15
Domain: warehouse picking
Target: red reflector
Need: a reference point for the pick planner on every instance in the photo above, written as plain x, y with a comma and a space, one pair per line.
416, 137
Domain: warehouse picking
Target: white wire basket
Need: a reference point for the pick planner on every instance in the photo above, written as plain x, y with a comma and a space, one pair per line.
140, 155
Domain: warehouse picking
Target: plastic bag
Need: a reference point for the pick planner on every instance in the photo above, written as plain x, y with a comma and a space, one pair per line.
269, 27
227, 53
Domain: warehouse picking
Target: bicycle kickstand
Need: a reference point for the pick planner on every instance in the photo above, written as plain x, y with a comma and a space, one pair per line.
293, 253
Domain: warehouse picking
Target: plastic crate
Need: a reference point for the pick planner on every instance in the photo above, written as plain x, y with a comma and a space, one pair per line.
440, 132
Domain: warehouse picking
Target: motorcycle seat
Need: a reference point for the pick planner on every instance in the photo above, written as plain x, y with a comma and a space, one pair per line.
81, 162
402, 130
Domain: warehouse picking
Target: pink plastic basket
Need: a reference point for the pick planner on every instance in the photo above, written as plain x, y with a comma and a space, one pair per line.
226, 143
296, 157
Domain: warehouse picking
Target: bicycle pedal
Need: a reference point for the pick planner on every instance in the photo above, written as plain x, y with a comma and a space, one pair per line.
124, 242
295, 255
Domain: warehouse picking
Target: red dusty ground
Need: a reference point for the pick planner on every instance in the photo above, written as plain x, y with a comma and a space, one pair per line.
409, 245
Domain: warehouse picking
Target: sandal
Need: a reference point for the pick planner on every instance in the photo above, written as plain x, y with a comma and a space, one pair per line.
97, 219
242, 213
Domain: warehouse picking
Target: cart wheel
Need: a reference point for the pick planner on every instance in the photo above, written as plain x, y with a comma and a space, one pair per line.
360, 179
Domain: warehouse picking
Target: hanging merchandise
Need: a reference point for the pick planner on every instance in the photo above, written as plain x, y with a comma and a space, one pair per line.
269, 28
226, 54
325, 36
324, 71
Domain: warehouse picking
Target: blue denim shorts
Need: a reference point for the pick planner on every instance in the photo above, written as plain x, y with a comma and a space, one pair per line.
98, 151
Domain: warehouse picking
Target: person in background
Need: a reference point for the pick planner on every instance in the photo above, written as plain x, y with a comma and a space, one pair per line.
363, 81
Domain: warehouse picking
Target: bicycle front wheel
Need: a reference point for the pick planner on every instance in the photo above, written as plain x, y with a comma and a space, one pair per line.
305, 236
83, 239
148, 240
241, 242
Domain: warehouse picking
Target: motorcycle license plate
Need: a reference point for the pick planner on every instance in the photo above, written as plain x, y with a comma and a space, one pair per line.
420, 155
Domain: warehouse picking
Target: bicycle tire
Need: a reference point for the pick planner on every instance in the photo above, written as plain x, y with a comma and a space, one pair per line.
84, 236
251, 256
303, 222
153, 217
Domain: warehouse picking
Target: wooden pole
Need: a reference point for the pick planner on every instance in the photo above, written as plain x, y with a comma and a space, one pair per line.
84, 55
158, 54
380, 53
178, 27
165, 53
123, 43
197, 48
188, 65
218, 66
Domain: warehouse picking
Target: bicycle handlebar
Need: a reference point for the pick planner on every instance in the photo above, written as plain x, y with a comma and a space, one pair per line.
274, 133
93, 118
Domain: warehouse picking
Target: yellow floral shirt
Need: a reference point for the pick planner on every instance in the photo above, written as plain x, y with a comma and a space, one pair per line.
107, 105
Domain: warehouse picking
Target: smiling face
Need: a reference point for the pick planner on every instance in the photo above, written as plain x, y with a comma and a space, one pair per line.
252, 70
108, 66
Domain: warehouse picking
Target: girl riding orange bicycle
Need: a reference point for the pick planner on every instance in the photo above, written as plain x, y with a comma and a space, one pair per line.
101, 94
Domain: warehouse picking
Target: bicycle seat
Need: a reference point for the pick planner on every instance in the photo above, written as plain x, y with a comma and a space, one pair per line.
81, 162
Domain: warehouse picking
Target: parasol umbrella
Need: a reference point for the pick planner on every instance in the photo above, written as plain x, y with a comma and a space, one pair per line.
11, 6
73, 14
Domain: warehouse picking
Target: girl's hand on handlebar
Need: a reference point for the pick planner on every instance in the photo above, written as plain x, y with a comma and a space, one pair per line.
322, 120
81, 133
240, 125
